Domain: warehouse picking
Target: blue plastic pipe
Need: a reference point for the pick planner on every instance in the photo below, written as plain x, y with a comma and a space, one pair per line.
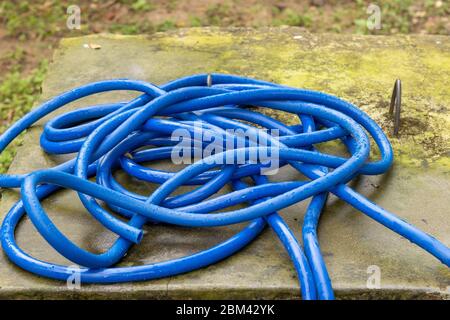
129, 135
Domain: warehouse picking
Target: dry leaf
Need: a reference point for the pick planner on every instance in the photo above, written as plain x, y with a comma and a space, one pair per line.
92, 46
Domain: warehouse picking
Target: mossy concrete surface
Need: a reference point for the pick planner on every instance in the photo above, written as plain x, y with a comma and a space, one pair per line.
361, 69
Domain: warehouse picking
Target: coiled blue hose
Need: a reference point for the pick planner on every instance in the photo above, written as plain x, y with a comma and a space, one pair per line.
104, 136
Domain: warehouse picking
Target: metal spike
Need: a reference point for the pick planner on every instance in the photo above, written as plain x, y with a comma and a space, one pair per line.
396, 105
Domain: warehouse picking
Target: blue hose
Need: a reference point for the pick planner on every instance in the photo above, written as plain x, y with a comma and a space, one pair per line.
124, 135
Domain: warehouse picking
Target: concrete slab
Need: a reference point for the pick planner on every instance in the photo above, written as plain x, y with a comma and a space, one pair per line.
361, 69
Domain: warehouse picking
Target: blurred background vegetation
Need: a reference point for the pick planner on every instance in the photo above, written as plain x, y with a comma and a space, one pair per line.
29, 30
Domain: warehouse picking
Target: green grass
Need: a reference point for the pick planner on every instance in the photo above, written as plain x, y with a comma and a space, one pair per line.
47, 18
147, 27
195, 22
166, 26
291, 18
17, 96
24, 20
396, 17
218, 14
142, 6
132, 28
